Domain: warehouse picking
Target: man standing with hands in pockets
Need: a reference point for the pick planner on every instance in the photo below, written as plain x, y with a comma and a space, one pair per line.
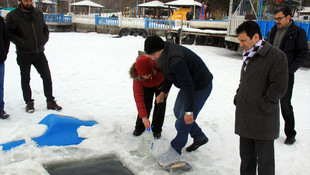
292, 40
28, 31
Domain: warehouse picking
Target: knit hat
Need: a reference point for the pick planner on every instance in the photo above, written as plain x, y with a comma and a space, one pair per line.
144, 65
153, 44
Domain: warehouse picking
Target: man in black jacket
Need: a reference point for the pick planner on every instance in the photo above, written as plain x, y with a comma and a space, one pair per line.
292, 40
4, 48
28, 31
185, 70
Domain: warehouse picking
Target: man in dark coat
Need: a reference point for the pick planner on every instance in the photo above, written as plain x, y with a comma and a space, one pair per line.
28, 31
292, 40
189, 14
4, 49
183, 68
263, 82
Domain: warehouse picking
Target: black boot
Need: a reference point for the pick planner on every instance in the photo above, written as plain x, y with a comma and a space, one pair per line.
4, 115
290, 140
137, 133
197, 144
157, 135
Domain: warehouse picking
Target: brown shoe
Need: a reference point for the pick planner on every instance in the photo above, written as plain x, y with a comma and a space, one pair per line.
53, 106
30, 107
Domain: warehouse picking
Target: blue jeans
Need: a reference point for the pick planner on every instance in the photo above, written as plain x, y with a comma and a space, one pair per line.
200, 97
1, 86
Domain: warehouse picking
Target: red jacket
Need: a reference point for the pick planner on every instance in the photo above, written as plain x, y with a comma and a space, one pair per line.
138, 84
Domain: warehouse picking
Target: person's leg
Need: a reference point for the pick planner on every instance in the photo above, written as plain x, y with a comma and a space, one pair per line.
248, 156
265, 154
1, 86
200, 99
139, 127
196, 133
182, 129
287, 109
24, 62
148, 101
158, 115
41, 64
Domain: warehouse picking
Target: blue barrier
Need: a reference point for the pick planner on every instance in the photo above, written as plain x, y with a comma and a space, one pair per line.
106, 21
265, 26
160, 24
57, 18
149, 23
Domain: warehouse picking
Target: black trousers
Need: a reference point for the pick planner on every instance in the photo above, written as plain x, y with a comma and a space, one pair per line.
287, 109
40, 63
257, 152
158, 113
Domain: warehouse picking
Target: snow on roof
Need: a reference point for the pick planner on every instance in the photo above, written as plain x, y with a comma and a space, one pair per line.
153, 4
86, 3
183, 3
305, 10
47, 2
50, 1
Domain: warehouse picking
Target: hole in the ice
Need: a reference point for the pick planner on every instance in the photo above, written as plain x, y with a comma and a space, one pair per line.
100, 166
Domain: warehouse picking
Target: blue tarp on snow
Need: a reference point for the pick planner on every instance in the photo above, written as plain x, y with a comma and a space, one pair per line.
61, 131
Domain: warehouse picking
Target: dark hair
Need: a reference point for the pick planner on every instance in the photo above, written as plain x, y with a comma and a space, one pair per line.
250, 28
285, 10
153, 44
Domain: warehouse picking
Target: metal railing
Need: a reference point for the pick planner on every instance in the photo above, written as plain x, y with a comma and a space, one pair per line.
148, 23
135, 22
57, 18
160, 24
83, 19
107, 21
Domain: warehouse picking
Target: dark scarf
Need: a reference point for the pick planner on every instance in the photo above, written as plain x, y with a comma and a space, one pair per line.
247, 55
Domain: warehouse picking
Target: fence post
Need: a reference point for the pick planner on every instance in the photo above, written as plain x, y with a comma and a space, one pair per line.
147, 21
62, 18
120, 21
96, 19
180, 41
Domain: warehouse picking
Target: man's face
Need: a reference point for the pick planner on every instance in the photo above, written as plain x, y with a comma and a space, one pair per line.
282, 20
26, 4
156, 55
246, 42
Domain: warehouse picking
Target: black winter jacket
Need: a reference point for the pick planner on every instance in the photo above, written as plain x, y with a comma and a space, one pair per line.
29, 35
294, 44
183, 68
4, 41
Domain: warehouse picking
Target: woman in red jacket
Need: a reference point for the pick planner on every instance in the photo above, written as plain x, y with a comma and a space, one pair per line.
147, 80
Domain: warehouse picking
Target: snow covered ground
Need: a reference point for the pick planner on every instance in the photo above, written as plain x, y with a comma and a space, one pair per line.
91, 82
